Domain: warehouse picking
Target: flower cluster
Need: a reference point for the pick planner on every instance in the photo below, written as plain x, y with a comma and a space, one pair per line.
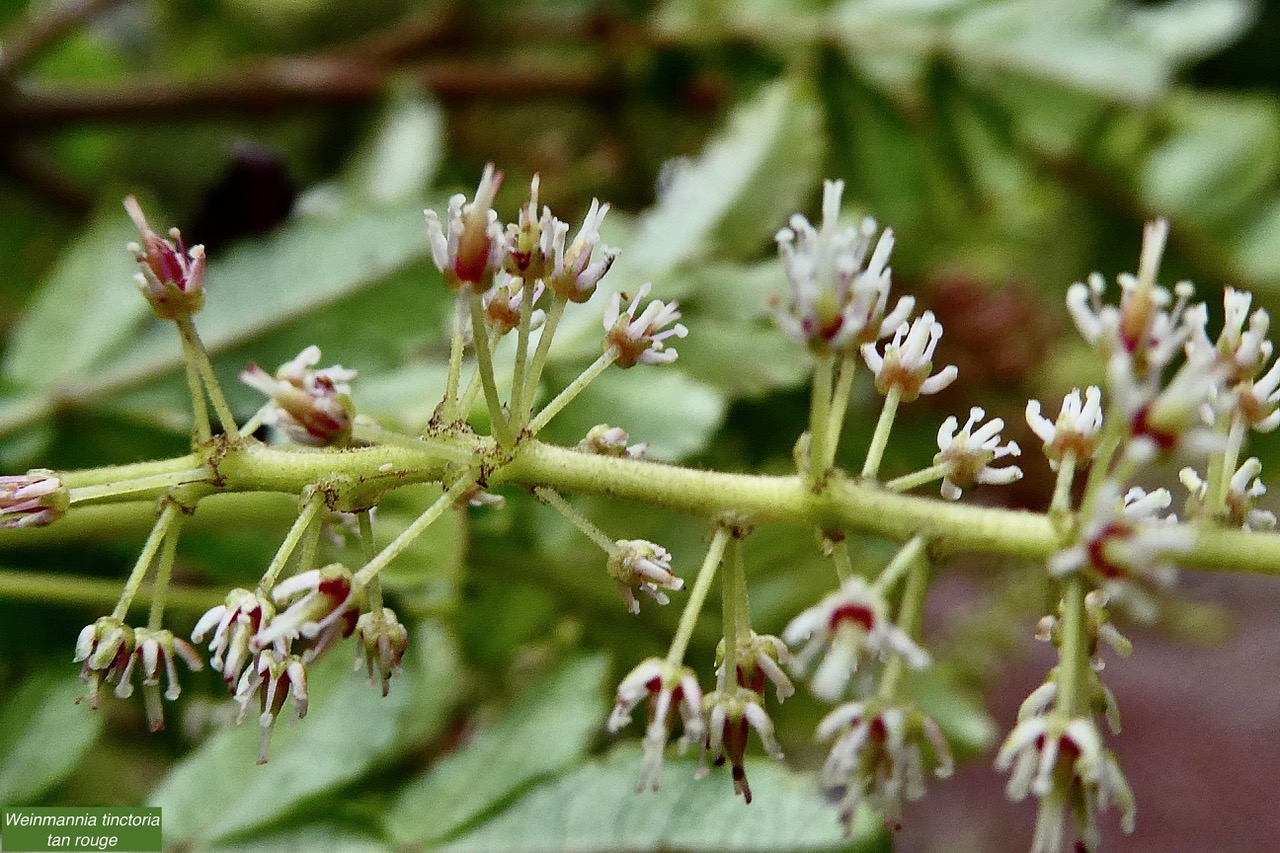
639, 340
967, 455
34, 499
839, 286
310, 406
171, 276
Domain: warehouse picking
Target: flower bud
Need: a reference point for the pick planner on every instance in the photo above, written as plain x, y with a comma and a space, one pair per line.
34, 499
171, 275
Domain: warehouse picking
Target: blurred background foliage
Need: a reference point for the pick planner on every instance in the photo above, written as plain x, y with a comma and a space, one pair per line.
1013, 146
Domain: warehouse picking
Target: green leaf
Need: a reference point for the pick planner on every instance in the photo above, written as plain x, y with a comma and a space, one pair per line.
741, 360
86, 307
734, 194
401, 159
661, 405
218, 791
1189, 30
1224, 152
595, 809
259, 288
43, 735
547, 730
314, 838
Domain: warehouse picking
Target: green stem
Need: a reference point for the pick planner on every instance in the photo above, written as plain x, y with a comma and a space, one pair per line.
367, 548
252, 425
519, 408
819, 407
370, 569
534, 376
907, 482
310, 510
840, 403
738, 568
473, 387
1073, 655
1061, 503
1114, 428
164, 572
573, 389
167, 480
200, 429
907, 556
149, 549
374, 433
456, 345
844, 565
577, 519
729, 613
81, 591
1220, 486
910, 613
697, 597
205, 367
484, 364
880, 438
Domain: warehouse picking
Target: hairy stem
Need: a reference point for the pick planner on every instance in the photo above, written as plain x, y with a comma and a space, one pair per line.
484, 365
880, 438
311, 509
585, 525
697, 596
573, 389
370, 569
164, 571
167, 516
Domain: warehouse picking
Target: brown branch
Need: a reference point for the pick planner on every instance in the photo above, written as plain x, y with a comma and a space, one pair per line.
290, 84
23, 44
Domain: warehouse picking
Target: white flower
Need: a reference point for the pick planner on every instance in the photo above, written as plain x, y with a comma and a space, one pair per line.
668, 687
838, 294
970, 452
234, 624
1036, 748
1076, 429
639, 340
907, 360
845, 625
730, 715
156, 647
312, 407
1245, 351
642, 565
876, 757
272, 679
1242, 496
571, 272
171, 276
528, 242
604, 440
758, 660
34, 499
323, 607
1172, 417
503, 301
106, 648
1258, 400
1126, 545
470, 247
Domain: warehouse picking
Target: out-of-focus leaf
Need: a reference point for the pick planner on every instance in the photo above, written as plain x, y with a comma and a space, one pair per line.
86, 307
1078, 47
658, 404
256, 289
313, 838
1188, 30
401, 159
547, 730
43, 734
1223, 152
218, 791
1257, 250
743, 361
734, 194
969, 728
595, 809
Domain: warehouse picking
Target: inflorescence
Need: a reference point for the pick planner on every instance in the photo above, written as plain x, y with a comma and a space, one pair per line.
1169, 388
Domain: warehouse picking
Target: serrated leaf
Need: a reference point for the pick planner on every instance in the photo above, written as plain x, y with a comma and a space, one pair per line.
734, 194
87, 305
218, 791
548, 730
595, 809
43, 735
